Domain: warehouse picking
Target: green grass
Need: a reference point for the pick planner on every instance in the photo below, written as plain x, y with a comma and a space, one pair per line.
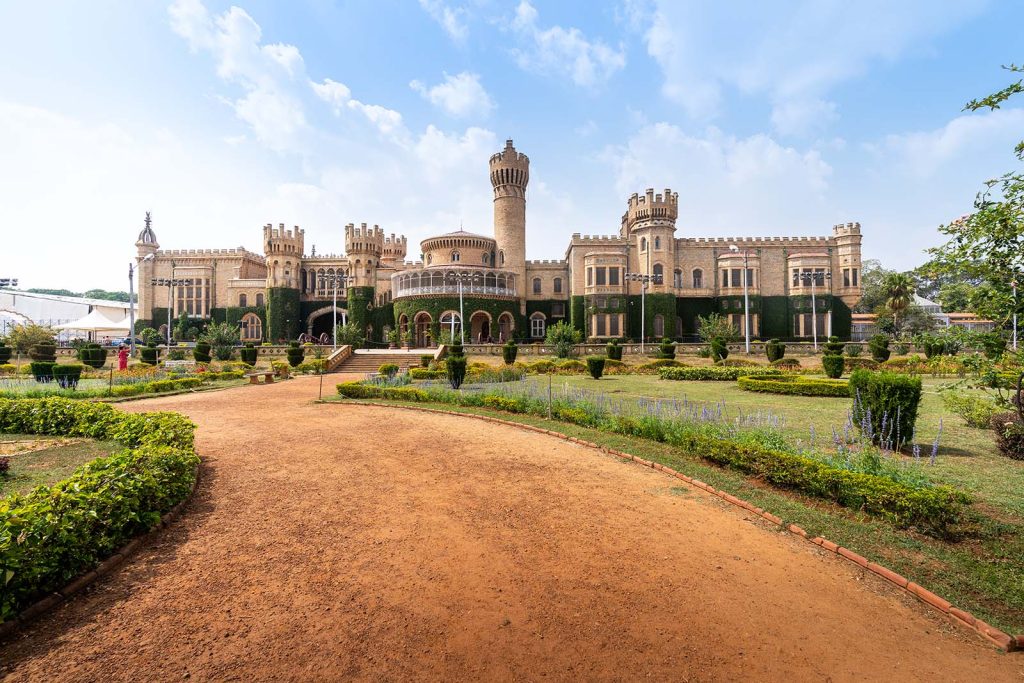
967, 459
983, 573
49, 465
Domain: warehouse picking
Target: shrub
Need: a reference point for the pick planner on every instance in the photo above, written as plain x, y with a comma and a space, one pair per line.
201, 352
45, 352
976, 411
885, 406
425, 360
563, 336
853, 350
786, 363
852, 364
653, 367
388, 369
176, 354
716, 374
249, 354
509, 352
719, 350
704, 352
67, 529
67, 376
350, 334
832, 363
715, 326
150, 355
93, 355
737, 363
1009, 430
878, 345
795, 385
613, 350
901, 348
42, 370
570, 367
993, 344
595, 366
5, 353
775, 350
295, 354
222, 338
666, 350
424, 373
23, 337
540, 367
455, 366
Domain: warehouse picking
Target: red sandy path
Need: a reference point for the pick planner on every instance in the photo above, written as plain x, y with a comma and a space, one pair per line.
331, 542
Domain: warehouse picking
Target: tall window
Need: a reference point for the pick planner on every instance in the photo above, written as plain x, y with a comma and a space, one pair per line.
725, 278
557, 285
750, 277
242, 300
601, 325
659, 272
643, 244
736, 278
450, 322
557, 310
698, 279
590, 276
855, 277
659, 325
677, 278
613, 326
501, 257
251, 327
537, 325
613, 276
536, 285
657, 243
601, 279
846, 277
259, 299
456, 256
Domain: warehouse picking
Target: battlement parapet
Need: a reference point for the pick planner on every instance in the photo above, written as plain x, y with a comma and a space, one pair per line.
651, 207
270, 232
510, 172
844, 229
774, 240
363, 239
577, 238
237, 251
549, 263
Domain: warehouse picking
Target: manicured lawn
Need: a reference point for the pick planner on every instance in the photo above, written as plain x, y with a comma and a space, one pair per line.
967, 457
48, 465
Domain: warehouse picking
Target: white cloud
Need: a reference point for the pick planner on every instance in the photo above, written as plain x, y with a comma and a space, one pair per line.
451, 19
561, 51
332, 92
461, 95
794, 53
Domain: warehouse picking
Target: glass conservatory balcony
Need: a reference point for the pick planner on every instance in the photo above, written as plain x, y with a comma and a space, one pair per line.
445, 281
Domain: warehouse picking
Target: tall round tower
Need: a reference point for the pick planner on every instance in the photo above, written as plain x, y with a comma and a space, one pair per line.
510, 174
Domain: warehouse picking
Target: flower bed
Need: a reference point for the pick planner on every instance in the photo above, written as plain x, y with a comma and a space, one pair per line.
717, 373
796, 386
934, 508
54, 534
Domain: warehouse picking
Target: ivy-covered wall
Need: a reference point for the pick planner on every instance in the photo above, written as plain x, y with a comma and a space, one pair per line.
842, 319
435, 306
577, 313
359, 299
381, 317
284, 314
688, 308
655, 304
776, 322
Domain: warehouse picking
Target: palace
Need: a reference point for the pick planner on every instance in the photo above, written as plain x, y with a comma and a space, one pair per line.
284, 291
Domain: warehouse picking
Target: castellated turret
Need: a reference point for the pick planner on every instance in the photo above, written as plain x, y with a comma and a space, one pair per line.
283, 249
394, 250
510, 174
364, 247
651, 209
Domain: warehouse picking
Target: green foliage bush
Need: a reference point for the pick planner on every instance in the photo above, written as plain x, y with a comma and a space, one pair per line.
425, 373
795, 385
993, 344
42, 370
93, 355
976, 411
613, 350
249, 354
23, 337
885, 405
150, 355
775, 350
719, 350
425, 360
45, 352
852, 364
878, 345
737, 363
563, 336
222, 338
509, 352
55, 533
666, 350
455, 366
67, 376
595, 366
295, 354
388, 369
5, 353
201, 352
716, 374
786, 363
832, 363
853, 350
1009, 431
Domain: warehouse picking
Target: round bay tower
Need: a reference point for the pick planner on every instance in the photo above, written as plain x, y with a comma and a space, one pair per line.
510, 174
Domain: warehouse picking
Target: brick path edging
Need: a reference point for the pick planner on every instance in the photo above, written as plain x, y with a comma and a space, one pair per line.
959, 617
44, 605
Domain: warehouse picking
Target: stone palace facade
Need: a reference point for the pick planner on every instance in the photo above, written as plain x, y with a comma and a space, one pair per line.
283, 291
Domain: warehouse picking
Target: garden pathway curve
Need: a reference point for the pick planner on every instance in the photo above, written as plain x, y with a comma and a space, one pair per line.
330, 542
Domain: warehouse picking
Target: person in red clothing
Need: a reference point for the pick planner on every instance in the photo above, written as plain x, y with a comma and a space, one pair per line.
122, 358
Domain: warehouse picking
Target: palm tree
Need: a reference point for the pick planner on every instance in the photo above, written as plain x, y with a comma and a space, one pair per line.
899, 294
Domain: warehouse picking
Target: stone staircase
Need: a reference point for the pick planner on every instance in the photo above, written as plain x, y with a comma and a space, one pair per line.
369, 362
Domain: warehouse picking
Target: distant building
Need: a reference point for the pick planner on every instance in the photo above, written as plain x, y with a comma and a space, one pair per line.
863, 325
286, 291
51, 310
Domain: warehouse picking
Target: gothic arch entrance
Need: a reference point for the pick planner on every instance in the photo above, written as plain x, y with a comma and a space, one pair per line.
480, 327
506, 326
320, 320
421, 336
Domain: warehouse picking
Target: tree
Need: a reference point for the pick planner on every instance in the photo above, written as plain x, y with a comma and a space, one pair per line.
563, 336
913, 320
24, 337
899, 295
955, 297
715, 326
222, 338
350, 334
872, 277
987, 245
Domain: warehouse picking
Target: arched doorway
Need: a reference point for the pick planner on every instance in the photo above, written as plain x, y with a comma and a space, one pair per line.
421, 335
321, 320
403, 326
506, 326
480, 327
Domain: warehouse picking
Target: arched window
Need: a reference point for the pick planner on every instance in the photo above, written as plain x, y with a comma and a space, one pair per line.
558, 285
659, 325
659, 273
251, 328
455, 257
677, 278
536, 285
537, 325
643, 244
259, 299
657, 242
430, 257
501, 257
698, 278
450, 322
242, 300
486, 259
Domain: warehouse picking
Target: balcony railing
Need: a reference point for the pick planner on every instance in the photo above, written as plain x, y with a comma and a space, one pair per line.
445, 281
453, 289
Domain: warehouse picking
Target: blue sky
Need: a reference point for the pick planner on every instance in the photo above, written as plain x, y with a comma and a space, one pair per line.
767, 118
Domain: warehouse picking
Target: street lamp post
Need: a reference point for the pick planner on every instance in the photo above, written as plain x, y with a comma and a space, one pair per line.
746, 296
813, 277
170, 283
334, 280
1013, 283
644, 280
6, 282
461, 277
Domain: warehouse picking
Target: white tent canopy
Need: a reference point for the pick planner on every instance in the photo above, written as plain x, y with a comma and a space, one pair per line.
95, 322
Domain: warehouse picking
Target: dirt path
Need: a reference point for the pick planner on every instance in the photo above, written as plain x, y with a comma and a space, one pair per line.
334, 542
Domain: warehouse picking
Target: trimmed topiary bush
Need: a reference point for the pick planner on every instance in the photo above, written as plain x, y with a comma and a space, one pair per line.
248, 354
425, 361
67, 376
45, 352
775, 350
42, 370
5, 353
149, 354
885, 406
388, 369
719, 350
795, 385
832, 363
93, 355
715, 374
667, 350
595, 366
613, 350
786, 363
509, 352
201, 352
295, 354
879, 348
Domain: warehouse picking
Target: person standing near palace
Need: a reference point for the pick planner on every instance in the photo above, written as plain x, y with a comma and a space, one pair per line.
122, 358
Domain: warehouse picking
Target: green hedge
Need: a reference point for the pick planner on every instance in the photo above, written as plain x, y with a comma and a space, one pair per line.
424, 373
716, 374
936, 508
53, 534
795, 385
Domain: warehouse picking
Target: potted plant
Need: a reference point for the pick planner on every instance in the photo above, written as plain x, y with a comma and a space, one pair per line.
407, 340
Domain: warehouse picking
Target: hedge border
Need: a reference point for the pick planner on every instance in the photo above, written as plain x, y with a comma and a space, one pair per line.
994, 636
797, 385
51, 602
